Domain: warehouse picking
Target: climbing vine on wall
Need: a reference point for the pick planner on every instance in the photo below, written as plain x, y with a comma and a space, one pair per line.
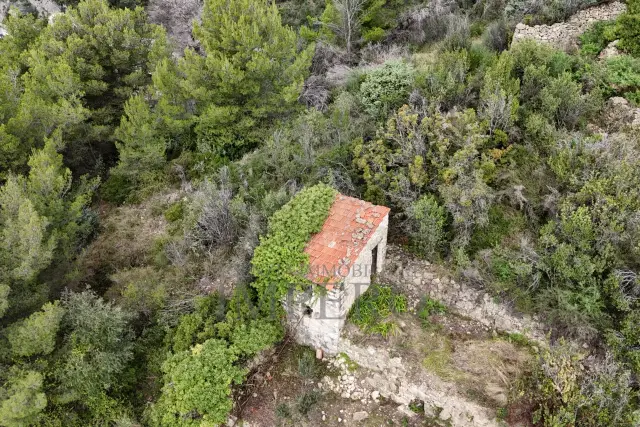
279, 262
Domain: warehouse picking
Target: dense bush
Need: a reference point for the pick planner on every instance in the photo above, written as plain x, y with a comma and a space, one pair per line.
384, 89
597, 37
36, 334
567, 390
494, 167
198, 386
628, 28
440, 153
445, 81
427, 220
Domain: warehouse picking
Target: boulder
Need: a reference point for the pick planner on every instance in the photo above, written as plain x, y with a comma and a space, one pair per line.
610, 51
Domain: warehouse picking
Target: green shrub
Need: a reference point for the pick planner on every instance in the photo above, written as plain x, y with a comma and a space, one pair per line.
174, 212
283, 411
477, 28
37, 333
428, 219
622, 74
445, 81
458, 33
307, 401
197, 386
563, 392
371, 312
503, 223
386, 88
564, 102
628, 28
597, 37
430, 307
198, 326
117, 189
307, 367
374, 35
249, 339
23, 400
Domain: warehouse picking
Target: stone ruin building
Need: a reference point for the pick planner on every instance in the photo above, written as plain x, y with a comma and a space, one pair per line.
343, 256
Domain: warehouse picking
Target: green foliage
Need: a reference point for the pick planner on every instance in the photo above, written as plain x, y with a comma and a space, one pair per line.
307, 367
79, 72
563, 102
372, 311
597, 37
622, 75
431, 307
386, 88
435, 153
564, 393
142, 290
279, 262
252, 73
251, 338
41, 219
175, 212
306, 402
283, 411
445, 81
37, 333
628, 28
4, 300
22, 400
198, 326
502, 224
499, 96
373, 35
117, 189
97, 349
428, 219
141, 149
198, 386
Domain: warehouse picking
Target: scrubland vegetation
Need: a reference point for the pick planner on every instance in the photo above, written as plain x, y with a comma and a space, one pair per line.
157, 191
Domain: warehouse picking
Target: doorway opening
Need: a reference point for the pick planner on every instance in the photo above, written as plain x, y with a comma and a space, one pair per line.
374, 261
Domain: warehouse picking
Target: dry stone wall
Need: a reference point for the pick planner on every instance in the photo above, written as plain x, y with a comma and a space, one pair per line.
417, 278
564, 35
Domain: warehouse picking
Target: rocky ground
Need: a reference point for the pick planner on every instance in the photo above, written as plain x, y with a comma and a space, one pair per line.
564, 35
452, 369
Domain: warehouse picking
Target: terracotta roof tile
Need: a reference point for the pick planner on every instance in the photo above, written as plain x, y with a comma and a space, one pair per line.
349, 226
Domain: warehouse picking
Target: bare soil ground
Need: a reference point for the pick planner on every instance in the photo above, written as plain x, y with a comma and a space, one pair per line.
455, 359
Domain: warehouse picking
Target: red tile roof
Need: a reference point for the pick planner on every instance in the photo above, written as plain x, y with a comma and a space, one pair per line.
349, 226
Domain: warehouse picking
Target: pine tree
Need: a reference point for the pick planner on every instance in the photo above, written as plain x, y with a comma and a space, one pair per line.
78, 73
24, 400
251, 73
37, 333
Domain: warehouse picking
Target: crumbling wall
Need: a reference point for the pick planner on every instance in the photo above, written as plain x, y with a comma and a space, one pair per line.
564, 35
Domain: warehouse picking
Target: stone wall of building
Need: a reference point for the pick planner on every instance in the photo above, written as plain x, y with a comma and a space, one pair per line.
317, 320
564, 35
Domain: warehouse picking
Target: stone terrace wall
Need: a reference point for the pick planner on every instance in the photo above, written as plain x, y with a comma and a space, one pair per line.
564, 35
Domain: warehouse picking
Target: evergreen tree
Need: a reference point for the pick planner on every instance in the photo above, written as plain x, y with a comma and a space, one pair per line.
23, 400
79, 72
97, 349
249, 75
37, 333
